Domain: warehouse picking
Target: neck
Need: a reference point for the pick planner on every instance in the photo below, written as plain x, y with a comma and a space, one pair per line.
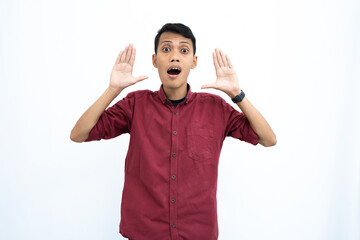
175, 93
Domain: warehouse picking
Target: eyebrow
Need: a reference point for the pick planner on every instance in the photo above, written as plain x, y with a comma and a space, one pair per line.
167, 41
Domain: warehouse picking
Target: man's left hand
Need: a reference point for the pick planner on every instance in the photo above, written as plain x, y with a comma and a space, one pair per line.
226, 79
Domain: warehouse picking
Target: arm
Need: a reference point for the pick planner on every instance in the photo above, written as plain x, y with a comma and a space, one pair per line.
227, 82
121, 77
258, 123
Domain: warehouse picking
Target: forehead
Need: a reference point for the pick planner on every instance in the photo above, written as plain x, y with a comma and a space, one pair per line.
175, 38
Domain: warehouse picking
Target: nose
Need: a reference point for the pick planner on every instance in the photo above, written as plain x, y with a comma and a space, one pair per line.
174, 57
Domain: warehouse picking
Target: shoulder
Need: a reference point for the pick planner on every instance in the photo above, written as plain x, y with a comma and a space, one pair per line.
210, 98
131, 98
138, 94
215, 102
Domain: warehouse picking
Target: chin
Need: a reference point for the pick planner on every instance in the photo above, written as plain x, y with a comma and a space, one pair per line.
173, 83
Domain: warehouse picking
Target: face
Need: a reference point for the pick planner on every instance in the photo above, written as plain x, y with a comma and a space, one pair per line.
174, 59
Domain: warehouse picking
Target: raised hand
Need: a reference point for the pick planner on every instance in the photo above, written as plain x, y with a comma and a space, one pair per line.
121, 74
226, 79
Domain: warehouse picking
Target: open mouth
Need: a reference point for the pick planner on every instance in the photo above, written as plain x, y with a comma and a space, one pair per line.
174, 71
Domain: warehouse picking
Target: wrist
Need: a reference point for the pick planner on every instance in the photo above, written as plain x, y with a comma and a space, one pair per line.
234, 93
114, 90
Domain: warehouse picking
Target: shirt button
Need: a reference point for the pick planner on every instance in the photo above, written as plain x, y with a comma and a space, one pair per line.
173, 224
172, 200
174, 154
173, 176
175, 112
175, 132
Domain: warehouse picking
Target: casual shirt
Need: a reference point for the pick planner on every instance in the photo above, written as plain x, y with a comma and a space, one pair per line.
171, 166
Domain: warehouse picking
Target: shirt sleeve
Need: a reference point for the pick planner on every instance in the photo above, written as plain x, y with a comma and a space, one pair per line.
114, 121
238, 126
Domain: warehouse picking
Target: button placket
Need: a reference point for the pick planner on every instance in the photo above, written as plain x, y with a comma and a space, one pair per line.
173, 172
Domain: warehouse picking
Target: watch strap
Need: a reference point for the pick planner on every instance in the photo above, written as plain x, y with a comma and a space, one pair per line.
239, 98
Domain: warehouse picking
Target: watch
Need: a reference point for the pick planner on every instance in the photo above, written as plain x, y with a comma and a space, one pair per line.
239, 98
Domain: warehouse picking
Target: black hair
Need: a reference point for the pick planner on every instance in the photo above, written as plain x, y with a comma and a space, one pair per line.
176, 28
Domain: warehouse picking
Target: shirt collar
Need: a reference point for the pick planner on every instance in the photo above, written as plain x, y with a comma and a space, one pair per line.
164, 99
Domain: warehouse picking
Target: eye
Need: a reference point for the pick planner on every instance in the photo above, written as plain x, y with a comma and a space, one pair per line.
166, 49
184, 50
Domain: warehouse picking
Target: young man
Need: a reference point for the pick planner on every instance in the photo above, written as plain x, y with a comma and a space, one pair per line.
176, 136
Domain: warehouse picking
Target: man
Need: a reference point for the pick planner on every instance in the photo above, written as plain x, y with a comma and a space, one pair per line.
176, 136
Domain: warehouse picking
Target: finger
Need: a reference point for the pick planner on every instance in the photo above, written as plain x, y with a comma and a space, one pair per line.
128, 53
208, 85
222, 55
221, 64
118, 58
122, 59
228, 60
216, 63
132, 58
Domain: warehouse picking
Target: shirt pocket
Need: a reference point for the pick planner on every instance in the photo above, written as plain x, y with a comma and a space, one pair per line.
201, 144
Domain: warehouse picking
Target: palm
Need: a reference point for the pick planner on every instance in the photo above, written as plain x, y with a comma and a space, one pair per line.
225, 77
121, 74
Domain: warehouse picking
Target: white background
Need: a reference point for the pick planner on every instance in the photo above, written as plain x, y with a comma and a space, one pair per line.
297, 61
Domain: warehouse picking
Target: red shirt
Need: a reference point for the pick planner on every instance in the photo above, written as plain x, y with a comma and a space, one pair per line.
171, 166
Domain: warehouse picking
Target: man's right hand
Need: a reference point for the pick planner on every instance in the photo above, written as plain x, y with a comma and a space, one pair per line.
121, 74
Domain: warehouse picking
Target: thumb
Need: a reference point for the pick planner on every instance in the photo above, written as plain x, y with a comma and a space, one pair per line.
208, 85
140, 78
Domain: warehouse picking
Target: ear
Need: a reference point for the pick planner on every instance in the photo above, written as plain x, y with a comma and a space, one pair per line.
154, 60
194, 63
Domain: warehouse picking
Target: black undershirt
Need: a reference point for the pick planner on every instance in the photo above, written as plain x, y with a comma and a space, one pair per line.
176, 102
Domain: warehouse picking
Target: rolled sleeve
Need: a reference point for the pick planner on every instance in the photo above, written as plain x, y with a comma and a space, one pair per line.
114, 121
238, 126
